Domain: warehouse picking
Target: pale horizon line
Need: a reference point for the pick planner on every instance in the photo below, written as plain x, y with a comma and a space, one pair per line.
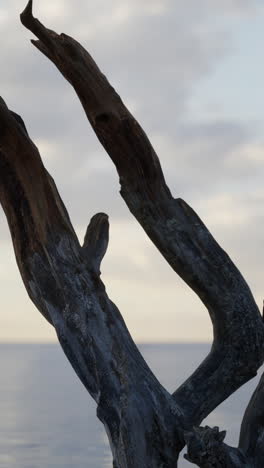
138, 343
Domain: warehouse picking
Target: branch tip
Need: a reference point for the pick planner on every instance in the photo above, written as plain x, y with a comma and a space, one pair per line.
3, 103
27, 14
96, 240
97, 228
44, 35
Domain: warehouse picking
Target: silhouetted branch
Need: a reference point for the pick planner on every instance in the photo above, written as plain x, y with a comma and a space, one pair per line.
147, 426
96, 241
206, 449
62, 279
173, 226
252, 429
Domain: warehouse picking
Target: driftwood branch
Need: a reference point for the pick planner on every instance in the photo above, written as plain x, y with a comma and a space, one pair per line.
251, 440
63, 280
206, 447
96, 241
173, 226
146, 426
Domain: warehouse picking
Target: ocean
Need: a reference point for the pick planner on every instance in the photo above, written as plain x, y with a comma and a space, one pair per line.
48, 420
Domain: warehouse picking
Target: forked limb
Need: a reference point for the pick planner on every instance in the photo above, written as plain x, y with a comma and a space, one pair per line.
147, 427
176, 230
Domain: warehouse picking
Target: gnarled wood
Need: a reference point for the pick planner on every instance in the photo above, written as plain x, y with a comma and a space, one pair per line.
206, 447
147, 427
251, 439
63, 280
175, 229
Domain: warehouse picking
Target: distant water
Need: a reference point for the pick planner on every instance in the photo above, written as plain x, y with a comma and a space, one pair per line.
48, 420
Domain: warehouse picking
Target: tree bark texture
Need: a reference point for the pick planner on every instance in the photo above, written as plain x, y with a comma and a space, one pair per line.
147, 427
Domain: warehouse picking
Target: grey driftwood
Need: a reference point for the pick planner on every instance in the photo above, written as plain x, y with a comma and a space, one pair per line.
147, 427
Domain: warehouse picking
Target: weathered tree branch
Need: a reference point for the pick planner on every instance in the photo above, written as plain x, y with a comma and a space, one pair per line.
206, 449
251, 440
62, 279
146, 426
96, 241
175, 229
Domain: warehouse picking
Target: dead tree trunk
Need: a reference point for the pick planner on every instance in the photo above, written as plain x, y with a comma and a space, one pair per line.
146, 426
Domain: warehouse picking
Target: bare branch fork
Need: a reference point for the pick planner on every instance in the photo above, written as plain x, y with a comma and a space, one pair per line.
146, 426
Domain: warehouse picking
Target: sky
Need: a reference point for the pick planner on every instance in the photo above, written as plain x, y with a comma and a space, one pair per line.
192, 73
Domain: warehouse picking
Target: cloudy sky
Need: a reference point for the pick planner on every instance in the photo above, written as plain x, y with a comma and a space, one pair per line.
192, 73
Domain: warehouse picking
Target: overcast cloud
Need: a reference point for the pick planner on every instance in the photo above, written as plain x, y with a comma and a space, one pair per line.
158, 55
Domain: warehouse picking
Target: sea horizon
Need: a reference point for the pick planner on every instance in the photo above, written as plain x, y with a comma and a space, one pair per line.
49, 419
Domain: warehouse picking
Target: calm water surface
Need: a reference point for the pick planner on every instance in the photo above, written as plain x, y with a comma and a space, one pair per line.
48, 420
